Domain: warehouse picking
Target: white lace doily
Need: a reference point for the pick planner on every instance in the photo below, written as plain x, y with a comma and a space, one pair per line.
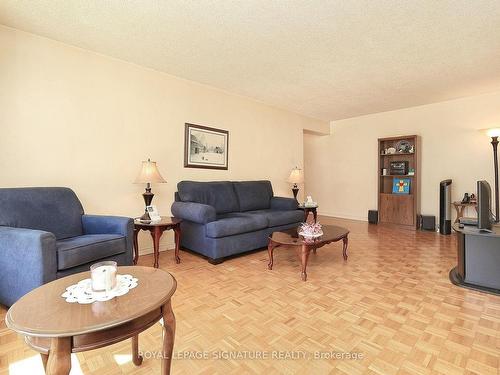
82, 291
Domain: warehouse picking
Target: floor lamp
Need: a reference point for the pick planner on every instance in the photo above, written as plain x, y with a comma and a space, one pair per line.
494, 134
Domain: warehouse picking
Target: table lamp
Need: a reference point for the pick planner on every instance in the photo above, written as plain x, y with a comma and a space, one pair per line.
494, 133
296, 177
149, 174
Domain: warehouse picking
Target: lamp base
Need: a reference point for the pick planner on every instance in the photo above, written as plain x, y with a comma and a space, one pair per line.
295, 191
145, 217
148, 198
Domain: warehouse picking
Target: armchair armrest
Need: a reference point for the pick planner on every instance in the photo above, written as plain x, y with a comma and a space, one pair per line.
101, 224
281, 203
28, 259
196, 212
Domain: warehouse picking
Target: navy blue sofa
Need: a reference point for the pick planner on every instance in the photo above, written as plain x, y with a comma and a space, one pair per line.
224, 218
45, 235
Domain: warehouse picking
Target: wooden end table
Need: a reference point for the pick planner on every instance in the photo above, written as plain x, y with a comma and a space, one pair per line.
56, 328
290, 238
460, 208
308, 210
156, 228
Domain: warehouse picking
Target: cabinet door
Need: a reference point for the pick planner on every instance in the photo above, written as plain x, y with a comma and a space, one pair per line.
396, 209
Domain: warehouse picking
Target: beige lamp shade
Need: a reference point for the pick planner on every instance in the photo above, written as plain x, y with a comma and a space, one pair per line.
296, 176
149, 173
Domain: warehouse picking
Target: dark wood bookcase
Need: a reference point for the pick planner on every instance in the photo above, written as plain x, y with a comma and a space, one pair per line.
398, 209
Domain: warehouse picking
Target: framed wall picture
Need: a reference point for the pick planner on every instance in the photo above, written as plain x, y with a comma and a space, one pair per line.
205, 147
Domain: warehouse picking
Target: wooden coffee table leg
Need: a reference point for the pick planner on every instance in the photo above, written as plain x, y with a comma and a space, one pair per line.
303, 253
345, 242
45, 359
59, 362
168, 337
177, 235
136, 246
136, 358
270, 249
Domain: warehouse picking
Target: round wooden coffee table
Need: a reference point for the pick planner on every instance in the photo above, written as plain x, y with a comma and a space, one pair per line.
291, 238
56, 328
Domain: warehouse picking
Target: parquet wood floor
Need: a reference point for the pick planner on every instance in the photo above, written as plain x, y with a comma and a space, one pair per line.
391, 301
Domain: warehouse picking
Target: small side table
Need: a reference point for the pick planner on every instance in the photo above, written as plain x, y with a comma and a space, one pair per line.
460, 207
307, 210
156, 228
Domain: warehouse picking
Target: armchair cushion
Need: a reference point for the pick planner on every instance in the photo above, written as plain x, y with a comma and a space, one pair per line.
72, 252
100, 224
51, 209
196, 212
281, 203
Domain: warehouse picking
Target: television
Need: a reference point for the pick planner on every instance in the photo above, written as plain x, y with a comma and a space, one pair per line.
484, 219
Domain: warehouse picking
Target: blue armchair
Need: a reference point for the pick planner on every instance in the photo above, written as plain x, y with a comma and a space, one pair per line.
45, 235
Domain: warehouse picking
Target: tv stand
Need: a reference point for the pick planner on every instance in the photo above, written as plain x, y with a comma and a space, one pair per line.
478, 256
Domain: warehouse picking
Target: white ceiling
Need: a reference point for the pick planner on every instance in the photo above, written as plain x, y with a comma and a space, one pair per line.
324, 59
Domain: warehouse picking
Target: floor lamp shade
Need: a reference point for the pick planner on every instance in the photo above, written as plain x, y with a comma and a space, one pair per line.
148, 175
296, 177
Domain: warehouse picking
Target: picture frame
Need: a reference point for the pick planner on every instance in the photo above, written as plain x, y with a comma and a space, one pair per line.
205, 147
154, 215
401, 185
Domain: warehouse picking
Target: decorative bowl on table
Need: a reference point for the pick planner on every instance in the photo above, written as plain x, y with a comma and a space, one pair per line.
310, 230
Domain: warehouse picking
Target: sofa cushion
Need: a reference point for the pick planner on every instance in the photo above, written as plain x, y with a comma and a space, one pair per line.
253, 195
235, 223
218, 194
52, 209
278, 217
72, 252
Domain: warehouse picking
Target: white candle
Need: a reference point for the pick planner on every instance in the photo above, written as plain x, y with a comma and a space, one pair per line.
103, 277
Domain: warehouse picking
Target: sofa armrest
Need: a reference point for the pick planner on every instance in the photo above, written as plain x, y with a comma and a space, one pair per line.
196, 212
28, 259
281, 203
101, 224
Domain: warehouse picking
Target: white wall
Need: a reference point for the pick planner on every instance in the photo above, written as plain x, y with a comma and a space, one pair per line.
341, 168
70, 117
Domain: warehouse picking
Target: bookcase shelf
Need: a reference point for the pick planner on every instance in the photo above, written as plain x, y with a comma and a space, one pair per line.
397, 175
398, 153
401, 209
